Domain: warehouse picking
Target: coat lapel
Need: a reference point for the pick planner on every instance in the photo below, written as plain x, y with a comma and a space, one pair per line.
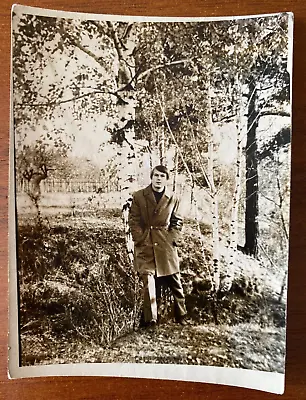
148, 193
163, 201
150, 196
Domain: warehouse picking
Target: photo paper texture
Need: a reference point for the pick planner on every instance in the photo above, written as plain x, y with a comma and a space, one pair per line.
98, 101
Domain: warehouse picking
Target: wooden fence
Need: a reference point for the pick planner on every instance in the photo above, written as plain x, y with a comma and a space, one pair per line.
71, 186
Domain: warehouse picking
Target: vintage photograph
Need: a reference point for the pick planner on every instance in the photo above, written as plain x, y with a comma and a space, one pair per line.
151, 188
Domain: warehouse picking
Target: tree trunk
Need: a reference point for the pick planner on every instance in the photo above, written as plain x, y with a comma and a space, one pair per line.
251, 211
34, 188
161, 146
215, 234
283, 288
125, 43
214, 203
233, 228
175, 171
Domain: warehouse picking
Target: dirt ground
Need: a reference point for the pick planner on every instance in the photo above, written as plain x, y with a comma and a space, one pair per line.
246, 346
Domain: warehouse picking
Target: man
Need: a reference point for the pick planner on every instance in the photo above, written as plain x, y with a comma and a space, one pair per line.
155, 224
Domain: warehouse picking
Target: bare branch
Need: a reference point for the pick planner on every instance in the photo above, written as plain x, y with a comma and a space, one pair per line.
226, 118
141, 74
75, 42
198, 152
161, 66
280, 206
79, 45
267, 87
266, 254
269, 199
57, 103
53, 103
116, 40
274, 112
175, 142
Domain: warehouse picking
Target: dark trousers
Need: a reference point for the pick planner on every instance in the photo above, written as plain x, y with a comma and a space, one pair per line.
152, 291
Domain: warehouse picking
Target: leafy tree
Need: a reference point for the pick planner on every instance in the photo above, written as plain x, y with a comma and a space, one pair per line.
162, 88
34, 164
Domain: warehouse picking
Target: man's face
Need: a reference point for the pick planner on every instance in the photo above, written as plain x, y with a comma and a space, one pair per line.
159, 180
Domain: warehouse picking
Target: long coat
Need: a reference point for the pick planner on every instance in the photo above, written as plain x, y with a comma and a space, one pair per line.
155, 229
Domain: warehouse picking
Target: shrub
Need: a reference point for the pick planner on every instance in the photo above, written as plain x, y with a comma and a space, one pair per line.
76, 282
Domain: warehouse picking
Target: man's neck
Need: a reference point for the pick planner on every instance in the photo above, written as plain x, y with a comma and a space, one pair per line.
158, 195
158, 190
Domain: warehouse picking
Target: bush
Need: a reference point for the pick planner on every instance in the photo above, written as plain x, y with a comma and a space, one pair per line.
76, 281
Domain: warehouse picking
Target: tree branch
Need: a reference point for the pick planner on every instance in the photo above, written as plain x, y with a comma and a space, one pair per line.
269, 199
141, 74
266, 88
267, 255
274, 112
115, 38
160, 66
226, 118
57, 103
280, 206
175, 143
79, 45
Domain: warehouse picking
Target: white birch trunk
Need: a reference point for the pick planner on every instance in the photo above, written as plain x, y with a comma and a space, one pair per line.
162, 157
214, 203
233, 228
126, 104
208, 271
175, 171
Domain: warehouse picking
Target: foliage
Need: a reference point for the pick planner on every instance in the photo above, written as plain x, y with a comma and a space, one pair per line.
76, 286
39, 157
148, 78
174, 58
155, 88
76, 282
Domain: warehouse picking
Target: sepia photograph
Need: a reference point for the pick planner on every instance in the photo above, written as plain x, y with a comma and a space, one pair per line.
150, 190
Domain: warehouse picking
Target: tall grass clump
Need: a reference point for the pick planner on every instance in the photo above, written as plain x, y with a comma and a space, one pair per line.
75, 281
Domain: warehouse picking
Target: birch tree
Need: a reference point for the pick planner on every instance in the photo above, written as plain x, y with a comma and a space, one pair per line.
154, 84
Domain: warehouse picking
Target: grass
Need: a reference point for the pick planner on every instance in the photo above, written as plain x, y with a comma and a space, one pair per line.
75, 281
245, 346
80, 301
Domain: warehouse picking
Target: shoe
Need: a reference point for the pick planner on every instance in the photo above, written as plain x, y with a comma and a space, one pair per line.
152, 325
182, 320
148, 325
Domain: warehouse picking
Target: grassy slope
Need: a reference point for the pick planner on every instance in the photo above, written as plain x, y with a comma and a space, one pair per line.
76, 286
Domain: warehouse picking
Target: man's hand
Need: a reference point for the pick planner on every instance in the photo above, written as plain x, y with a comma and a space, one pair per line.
177, 242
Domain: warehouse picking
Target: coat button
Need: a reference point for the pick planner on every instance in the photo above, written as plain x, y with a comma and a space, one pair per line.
155, 244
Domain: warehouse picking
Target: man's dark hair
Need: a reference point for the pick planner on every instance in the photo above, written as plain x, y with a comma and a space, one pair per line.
160, 168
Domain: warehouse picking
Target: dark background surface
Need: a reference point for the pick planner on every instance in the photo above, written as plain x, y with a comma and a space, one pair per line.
121, 388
